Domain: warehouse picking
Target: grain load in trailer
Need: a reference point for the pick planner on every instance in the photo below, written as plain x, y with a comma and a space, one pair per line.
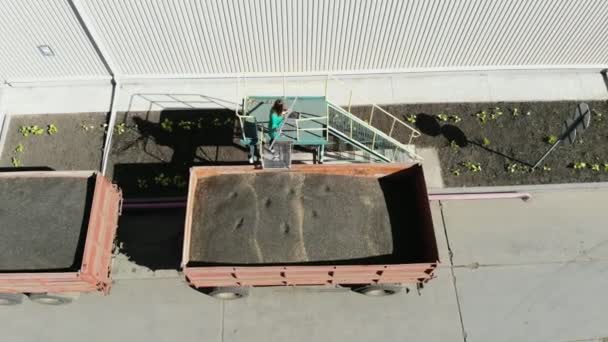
57, 231
311, 225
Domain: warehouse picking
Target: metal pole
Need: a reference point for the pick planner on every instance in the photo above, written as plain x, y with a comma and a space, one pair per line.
546, 154
112, 122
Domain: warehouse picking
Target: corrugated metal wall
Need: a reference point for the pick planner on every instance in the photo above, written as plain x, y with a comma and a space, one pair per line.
179, 37
264, 36
25, 24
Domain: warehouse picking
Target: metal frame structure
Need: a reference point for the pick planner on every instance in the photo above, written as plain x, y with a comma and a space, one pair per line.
328, 275
94, 273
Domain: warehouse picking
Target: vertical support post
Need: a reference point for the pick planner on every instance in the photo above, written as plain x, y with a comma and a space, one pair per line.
351, 127
112, 122
2, 116
283, 85
373, 141
326, 82
371, 116
350, 98
390, 133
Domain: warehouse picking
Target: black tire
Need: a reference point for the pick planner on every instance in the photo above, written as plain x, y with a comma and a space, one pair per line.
10, 299
377, 290
228, 293
51, 298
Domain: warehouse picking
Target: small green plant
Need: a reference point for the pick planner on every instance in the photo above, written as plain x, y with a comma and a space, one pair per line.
528, 113
605, 167
454, 146
86, 127
482, 116
179, 182
579, 165
496, 113
186, 125
442, 117
595, 167
552, 139
411, 118
167, 125
51, 129
33, 130
120, 128
517, 168
455, 172
515, 111
546, 168
485, 142
598, 115
455, 118
162, 180
19, 148
142, 183
16, 162
472, 166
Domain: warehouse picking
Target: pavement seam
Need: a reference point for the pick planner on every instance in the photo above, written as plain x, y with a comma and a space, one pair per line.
222, 321
451, 255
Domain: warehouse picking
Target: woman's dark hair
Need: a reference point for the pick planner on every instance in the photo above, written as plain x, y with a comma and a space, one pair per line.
278, 106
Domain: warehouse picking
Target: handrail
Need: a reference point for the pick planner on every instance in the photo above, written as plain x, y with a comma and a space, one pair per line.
375, 130
414, 132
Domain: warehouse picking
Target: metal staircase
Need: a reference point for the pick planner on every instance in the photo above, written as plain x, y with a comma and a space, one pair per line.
364, 136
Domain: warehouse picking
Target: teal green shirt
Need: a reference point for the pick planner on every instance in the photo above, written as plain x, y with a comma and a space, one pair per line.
274, 123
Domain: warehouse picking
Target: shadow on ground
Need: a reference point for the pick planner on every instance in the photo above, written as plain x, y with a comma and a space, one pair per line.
152, 238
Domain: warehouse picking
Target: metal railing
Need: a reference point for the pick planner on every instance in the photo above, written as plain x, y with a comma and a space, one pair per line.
373, 139
323, 129
375, 110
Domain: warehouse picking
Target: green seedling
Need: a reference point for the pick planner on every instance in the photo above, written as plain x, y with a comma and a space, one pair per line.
598, 115
51, 129
482, 116
19, 148
472, 166
162, 180
546, 168
485, 142
411, 118
454, 146
186, 125
595, 167
579, 165
515, 111
528, 113
120, 128
442, 117
179, 182
86, 127
455, 118
605, 167
552, 139
455, 172
518, 168
142, 183
33, 130
16, 162
496, 113
167, 125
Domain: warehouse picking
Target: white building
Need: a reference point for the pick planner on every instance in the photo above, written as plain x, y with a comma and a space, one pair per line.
64, 53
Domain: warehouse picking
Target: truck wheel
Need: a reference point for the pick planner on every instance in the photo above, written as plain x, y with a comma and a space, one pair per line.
53, 298
10, 298
228, 293
378, 290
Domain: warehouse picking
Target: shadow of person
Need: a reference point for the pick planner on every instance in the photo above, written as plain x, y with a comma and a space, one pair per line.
455, 134
428, 125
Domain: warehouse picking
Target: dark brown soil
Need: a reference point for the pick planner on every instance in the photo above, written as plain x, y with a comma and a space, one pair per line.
43, 222
518, 140
71, 148
152, 159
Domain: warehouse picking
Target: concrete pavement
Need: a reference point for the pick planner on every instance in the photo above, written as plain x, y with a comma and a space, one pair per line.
523, 271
